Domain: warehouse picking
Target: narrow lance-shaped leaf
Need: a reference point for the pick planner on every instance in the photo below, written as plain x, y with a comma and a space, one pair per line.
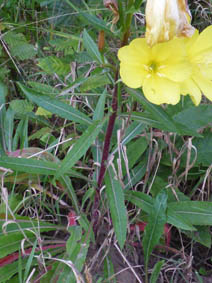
118, 211
91, 47
80, 148
195, 212
155, 226
55, 106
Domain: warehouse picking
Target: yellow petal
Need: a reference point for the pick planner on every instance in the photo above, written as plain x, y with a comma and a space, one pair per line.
177, 72
206, 71
203, 41
204, 84
137, 52
132, 76
169, 52
160, 90
190, 87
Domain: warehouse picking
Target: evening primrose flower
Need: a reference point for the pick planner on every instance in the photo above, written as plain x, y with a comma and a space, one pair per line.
166, 19
199, 52
159, 70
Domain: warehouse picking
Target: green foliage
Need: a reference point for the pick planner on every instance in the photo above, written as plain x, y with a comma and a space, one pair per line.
57, 98
19, 47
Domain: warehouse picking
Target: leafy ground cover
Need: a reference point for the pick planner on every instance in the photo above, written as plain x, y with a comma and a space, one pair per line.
81, 201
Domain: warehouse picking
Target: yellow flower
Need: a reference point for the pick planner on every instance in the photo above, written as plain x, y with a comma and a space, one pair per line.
199, 52
160, 69
166, 19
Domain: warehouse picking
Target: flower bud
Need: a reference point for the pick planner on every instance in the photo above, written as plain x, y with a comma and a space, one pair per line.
166, 19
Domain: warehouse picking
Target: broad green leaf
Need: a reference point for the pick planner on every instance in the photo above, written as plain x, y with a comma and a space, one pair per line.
31, 166
94, 82
145, 202
80, 147
10, 243
55, 106
140, 200
159, 115
7, 271
53, 64
204, 149
156, 271
156, 111
117, 207
195, 117
19, 46
135, 150
195, 212
202, 235
91, 47
179, 221
155, 226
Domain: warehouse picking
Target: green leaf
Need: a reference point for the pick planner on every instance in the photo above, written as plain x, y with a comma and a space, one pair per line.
53, 64
195, 212
21, 106
29, 261
140, 200
179, 221
94, 82
159, 115
91, 47
25, 224
145, 202
99, 111
155, 227
118, 211
31, 166
10, 243
19, 46
109, 270
80, 147
156, 271
97, 23
7, 271
204, 149
8, 128
55, 106
195, 117
202, 235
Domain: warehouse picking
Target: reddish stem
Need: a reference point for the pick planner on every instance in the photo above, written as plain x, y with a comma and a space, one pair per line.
108, 135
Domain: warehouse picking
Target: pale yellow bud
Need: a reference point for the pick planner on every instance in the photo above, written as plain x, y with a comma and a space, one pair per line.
166, 19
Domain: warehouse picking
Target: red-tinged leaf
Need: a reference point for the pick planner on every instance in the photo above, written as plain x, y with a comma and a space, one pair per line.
12, 257
72, 218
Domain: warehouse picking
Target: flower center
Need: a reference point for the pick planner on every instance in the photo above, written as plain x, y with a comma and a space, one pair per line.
153, 67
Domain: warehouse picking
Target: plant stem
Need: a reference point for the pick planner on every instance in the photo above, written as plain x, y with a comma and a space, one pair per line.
110, 128
108, 135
